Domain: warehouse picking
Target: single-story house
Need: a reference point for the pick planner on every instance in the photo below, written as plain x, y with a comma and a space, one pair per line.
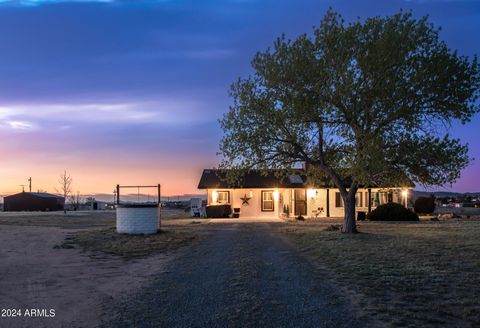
262, 194
33, 201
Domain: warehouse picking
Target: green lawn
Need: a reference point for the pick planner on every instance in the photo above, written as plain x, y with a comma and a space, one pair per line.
404, 274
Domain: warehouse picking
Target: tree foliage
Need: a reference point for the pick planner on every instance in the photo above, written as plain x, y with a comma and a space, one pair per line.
372, 100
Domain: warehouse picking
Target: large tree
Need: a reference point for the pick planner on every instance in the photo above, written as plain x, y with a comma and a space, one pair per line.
372, 101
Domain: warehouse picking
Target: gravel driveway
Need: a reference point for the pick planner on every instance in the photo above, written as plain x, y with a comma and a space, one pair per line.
241, 275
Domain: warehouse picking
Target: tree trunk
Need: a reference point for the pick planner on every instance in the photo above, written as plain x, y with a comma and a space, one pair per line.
348, 196
349, 225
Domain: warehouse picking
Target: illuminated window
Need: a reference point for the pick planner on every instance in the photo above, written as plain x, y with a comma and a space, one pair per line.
223, 197
267, 201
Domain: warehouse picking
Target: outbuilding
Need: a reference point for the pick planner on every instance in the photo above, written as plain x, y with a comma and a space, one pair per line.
33, 201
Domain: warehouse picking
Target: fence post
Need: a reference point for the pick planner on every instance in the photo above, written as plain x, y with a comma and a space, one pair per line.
118, 194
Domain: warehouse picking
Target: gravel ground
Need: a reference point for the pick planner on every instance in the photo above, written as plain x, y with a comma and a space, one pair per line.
242, 275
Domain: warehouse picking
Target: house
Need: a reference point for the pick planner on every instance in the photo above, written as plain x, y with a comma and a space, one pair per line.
94, 205
33, 201
262, 194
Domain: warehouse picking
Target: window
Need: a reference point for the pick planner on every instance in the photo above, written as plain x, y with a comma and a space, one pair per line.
359, 199
223, 197
380, 198
338, 200
267, 201
375, 198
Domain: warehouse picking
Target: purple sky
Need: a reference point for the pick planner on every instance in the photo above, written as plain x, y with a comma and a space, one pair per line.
130, 91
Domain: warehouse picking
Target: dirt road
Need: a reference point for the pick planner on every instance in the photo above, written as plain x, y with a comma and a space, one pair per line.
242, 275
35, 275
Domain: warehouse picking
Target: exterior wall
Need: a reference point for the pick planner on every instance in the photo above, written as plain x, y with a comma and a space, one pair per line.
254, 207
28, 202
316, 201
138, 220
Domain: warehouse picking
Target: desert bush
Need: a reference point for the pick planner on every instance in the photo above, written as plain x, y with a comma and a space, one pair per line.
425, 205
392, 212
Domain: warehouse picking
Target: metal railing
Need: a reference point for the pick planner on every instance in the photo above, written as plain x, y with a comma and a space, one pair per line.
158, 187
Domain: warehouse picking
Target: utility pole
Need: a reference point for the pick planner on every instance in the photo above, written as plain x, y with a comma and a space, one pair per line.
30, 183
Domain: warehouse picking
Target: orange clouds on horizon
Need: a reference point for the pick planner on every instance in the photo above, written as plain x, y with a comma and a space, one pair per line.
89, 180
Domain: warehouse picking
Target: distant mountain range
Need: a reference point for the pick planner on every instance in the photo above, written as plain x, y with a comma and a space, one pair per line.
145, 197
418, 193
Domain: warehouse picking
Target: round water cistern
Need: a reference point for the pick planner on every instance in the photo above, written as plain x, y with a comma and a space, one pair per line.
138, 218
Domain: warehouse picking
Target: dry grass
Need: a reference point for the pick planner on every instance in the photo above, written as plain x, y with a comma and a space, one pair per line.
71, 220
405, 274
99, 235
74, 220
108, 241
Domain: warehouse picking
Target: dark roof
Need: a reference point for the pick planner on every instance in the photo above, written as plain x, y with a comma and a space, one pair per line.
216, 179
38, 194
251, 179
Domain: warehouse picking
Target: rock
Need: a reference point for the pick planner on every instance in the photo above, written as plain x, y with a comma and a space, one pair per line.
445, 216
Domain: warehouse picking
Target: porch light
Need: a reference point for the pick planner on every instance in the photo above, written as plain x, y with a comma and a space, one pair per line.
311, 193
405, 198
275, 195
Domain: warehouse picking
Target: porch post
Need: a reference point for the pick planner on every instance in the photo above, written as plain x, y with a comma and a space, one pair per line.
369, 200
328, 203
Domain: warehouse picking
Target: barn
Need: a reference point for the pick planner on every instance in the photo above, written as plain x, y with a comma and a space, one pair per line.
33, 201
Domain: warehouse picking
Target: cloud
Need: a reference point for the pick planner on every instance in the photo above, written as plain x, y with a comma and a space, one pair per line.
39, 2
174, 112
31, 3
17, 125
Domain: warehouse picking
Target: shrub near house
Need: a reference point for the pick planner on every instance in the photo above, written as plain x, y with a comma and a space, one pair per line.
392, 212
424, 205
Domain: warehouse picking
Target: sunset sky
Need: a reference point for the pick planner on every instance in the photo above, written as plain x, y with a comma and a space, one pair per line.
130, 92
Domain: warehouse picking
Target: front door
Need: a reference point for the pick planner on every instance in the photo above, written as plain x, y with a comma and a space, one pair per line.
300, 202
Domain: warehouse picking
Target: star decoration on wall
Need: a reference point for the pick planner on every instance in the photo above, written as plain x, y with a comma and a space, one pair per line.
245, 199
